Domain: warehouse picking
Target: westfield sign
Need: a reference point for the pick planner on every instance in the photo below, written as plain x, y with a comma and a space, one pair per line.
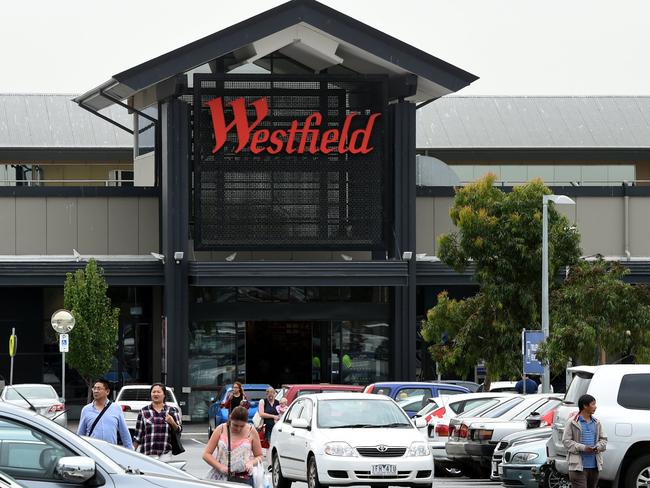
299, 138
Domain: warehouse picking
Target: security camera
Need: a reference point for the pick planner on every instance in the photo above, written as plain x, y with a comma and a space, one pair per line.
159, 257
178, 256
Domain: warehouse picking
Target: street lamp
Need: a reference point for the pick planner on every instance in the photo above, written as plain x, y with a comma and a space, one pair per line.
558, 200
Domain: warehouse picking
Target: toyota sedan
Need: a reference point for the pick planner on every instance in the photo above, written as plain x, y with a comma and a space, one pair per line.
349, 439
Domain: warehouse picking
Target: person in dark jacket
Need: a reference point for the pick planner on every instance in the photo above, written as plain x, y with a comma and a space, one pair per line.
584, 440
236, 398
531, 386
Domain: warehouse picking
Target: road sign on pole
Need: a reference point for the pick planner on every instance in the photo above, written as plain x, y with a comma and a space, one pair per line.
64, 344
63, 322
13, 346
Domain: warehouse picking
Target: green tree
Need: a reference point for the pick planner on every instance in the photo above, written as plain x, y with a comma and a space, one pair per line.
93, 341
501, 234
596, 311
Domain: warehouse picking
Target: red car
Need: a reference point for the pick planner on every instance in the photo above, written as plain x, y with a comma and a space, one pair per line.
291, 392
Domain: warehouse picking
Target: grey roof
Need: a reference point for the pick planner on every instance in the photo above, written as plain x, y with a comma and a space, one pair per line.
534, 122
55, 121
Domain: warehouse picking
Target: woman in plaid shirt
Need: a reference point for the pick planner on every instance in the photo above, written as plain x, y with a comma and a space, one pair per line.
152, 429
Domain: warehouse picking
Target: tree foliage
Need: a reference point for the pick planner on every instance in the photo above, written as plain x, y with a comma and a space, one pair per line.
501, 235
594, 311
93, 341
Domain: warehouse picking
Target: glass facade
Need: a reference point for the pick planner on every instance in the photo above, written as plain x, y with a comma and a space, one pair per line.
283, 335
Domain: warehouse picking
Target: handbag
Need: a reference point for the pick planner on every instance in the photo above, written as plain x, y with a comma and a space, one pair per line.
258, 421
175, 441
235, 477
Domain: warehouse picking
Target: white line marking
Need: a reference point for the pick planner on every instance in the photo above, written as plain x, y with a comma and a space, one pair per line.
198, 442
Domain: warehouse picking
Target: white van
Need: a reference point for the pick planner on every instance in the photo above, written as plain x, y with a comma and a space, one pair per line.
622, 393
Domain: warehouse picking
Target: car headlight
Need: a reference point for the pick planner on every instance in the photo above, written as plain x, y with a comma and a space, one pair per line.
419, 449
340, 449
523, 457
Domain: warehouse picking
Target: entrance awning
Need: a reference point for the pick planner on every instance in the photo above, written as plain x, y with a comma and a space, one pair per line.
270, 273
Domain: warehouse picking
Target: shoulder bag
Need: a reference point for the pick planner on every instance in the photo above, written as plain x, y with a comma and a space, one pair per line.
233, 476
92, 427
175, 439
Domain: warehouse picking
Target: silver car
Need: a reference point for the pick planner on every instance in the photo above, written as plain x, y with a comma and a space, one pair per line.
39, 453
43, 398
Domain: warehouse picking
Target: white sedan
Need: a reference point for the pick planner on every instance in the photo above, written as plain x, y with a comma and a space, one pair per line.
349, 439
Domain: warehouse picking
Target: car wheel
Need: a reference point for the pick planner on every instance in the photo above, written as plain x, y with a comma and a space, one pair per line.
638, 473
279, 481
554, 479
312, 474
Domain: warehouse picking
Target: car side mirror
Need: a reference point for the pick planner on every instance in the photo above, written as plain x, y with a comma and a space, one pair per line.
75, 469
420, 422
300, 424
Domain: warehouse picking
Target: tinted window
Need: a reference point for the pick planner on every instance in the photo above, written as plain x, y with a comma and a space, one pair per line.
541, 408
382, 391
635, 391
294, 411
306, 411
578, 387
443, 391
255, 395
460, 407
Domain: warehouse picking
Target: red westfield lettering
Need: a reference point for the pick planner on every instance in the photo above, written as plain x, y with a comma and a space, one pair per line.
296, 139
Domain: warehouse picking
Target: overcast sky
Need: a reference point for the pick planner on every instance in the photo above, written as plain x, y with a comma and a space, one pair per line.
516, 47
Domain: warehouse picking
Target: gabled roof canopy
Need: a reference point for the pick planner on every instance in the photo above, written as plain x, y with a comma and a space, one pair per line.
306, 31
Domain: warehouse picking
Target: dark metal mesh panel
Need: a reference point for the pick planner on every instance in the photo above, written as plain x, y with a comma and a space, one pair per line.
289, 201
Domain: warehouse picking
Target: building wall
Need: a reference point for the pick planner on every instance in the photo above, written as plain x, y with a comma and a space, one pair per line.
94, 225
600, 220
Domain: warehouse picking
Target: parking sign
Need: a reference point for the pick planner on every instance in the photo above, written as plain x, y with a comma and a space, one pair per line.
64, 343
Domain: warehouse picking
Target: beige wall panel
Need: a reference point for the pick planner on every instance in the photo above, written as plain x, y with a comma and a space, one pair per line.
148, 225
92, 227
424, 239
441, 220
8, 225
639, 228
61, 225
600, 222
30, 225
123, 225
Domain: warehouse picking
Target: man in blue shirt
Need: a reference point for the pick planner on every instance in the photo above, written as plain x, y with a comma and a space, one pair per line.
526, 385
585, 441
110, 422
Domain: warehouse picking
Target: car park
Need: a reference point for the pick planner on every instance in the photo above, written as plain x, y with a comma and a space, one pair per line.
622, 393
476, 437
400, 391
330, 439
291, 392
218, 414
132, 398
39, 453
43, 398
439, 412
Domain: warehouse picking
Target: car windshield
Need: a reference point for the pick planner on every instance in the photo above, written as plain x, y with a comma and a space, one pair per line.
578, 387
361, 413
30, 392
473, 412
503, 408
141, 395
255, 395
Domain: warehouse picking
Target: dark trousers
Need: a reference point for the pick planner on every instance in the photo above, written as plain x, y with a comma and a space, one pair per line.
587, 478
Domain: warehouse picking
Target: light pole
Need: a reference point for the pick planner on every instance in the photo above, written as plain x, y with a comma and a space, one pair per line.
558, 200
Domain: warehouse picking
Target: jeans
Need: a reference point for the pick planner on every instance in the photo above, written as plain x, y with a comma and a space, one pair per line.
588, 478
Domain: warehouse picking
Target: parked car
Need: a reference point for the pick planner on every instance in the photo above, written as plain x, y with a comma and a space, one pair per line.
43, 398
217, 414
132, 398
478, 436
400, 391
510, 440
470, 385
500, 386
7, 481
291, 392
521, 461
39, 453
439, 412
330, 439
622, 393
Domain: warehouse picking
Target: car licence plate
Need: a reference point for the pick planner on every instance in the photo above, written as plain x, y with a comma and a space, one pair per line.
383, 469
